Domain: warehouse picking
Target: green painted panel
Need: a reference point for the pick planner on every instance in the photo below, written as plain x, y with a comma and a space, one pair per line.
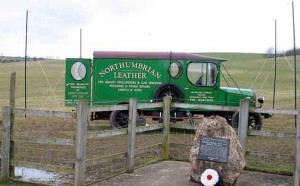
234, 95
107, 81
117, 80
78, 80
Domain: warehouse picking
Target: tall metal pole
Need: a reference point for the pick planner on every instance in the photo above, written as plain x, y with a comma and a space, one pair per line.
26, 60
80, 43
295, 63
275, 74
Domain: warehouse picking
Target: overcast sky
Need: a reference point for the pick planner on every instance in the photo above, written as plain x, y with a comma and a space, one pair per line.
145, 25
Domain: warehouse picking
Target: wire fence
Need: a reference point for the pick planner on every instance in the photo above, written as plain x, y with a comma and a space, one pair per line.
44, 146
47, 143
107, 157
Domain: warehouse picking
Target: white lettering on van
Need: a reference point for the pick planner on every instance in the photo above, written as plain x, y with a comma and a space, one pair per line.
135, 75
124, 65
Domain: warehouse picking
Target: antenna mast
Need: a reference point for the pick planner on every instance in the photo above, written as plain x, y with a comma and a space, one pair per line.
26, 59
295, 64
80, 43
275, 74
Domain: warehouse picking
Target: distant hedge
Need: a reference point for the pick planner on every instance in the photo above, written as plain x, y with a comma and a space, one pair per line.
291, 52
4, 59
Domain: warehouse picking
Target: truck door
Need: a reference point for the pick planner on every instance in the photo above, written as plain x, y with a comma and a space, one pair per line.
201, 83
177, 77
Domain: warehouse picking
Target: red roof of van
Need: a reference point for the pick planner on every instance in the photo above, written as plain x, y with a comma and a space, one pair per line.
153, 55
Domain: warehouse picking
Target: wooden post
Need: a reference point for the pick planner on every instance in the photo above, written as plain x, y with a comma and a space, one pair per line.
12, 101
81, 138
166, 119
6, 117
297, 166
131, 134
243, 123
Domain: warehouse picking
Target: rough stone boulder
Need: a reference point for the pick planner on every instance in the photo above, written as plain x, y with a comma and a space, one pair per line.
218, 128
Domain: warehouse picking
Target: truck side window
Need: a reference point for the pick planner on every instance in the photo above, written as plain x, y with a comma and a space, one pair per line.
202, 74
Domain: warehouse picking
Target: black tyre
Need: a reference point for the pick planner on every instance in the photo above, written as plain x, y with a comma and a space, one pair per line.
254, 121
119, 119
168, 90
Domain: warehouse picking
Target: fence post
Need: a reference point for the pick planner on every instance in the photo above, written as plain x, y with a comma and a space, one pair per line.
12, 100
81, 135
297, 166
166, 120
243, 123
131, 134
6, 121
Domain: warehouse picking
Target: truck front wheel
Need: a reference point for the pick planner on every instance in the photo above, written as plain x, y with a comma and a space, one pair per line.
254, 121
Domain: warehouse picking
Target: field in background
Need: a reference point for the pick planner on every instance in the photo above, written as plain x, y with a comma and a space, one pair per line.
45, 84
45, 80
45, 90
256, 71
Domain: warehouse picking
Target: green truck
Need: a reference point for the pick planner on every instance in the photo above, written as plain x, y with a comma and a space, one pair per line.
112, 77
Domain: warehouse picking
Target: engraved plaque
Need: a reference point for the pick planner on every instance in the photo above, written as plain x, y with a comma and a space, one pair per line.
214, 149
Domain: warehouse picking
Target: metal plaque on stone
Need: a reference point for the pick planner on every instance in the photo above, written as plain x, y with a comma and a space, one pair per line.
214, 149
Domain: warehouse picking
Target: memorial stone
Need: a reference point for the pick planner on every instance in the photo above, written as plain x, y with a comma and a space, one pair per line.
216, 146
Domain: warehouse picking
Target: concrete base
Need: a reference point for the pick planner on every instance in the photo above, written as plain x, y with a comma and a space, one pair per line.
175, 173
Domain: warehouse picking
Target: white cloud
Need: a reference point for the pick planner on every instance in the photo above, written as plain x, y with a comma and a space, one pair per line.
145, 25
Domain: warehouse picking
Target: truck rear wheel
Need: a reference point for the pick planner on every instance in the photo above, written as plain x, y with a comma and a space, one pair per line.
254, 121
168, 90
119, 119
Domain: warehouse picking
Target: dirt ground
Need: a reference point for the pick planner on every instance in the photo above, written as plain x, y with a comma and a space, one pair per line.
175, 173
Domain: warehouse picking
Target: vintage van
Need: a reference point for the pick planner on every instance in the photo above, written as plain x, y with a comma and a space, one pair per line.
112, 77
